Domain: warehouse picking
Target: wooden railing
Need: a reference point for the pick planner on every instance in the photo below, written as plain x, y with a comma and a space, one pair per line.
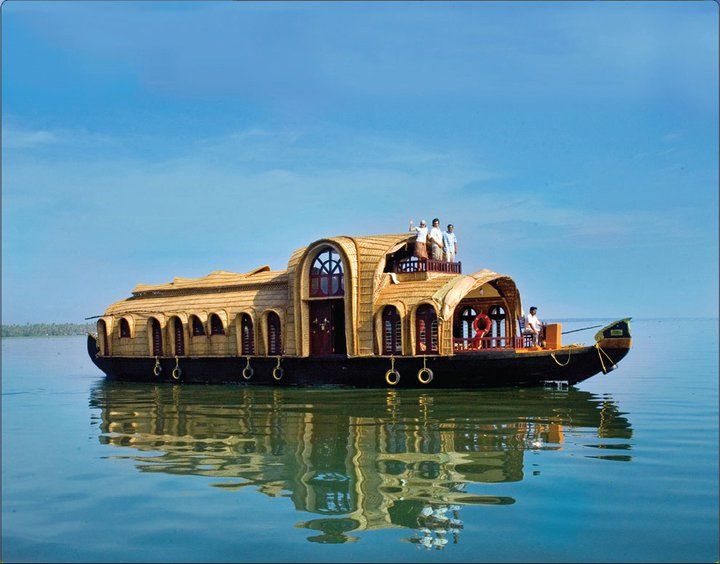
469, 344
414, 264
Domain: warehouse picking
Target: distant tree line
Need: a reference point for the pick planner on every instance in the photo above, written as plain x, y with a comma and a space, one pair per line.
47, 329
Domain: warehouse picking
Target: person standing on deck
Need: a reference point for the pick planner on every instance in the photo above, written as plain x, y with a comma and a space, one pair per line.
533, 326
436, 240
420, 250
450, 243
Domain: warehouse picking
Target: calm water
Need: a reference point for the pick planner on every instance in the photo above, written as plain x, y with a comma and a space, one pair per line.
621, 468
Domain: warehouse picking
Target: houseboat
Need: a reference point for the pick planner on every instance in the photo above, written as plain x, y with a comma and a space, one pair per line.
347, 311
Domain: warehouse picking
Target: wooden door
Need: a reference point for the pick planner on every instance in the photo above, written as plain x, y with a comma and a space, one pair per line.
179, 338
426, 330
321, 333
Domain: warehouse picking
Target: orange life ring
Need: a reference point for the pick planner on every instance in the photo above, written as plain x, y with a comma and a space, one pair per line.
480, 332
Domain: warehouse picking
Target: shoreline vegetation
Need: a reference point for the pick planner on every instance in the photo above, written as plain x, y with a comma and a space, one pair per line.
47, 329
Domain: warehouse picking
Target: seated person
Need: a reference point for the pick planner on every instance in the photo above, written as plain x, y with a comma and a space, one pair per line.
533, 326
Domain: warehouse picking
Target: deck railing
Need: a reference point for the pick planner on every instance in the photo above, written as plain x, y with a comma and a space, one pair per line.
470, 344
415, 264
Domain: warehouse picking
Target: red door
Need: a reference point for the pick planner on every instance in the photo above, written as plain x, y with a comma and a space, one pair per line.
321, 328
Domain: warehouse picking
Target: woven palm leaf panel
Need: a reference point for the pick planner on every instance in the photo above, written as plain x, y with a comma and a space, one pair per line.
226, 303
407, 296
292, 337
371, 253
463, 286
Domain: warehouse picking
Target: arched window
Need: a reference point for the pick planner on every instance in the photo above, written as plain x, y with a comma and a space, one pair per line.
179, 336
102, 337
156, 335
426, 330
392, 331
464, 327
124, 329
497, 315
274, 337
326, 274
197, 327
248, 340
216, 326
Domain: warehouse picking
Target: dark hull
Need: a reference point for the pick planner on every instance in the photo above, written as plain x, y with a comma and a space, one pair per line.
475, 370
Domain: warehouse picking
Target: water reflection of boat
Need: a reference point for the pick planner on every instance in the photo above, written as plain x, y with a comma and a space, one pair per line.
347, 311
360, 460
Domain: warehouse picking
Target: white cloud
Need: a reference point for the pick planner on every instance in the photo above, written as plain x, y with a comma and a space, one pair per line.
25, 139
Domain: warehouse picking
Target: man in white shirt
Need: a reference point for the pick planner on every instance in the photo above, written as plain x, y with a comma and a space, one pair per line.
450, 243
436, 240
533, 326
421, 239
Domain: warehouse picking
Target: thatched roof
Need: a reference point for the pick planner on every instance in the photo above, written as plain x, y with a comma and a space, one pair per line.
215, 280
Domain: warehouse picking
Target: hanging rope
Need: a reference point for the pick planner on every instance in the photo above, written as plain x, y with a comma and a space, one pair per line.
425, 375
176, 372
248, 372
612, 362
157, 369
278, 372
552, 354
392, 373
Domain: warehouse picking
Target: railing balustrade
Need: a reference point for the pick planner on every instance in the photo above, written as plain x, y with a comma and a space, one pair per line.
470, 344
414, 264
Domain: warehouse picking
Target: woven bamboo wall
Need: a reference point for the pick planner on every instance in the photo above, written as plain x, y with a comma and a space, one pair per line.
411, 295
444, 293
264, 291
293, 342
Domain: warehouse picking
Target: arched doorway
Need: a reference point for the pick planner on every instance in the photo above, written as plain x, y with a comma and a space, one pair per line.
216, 325
179, 337
156, 336
274, 336
426, 330
392, 331
247, 337
327, 304
198, 329
124, 329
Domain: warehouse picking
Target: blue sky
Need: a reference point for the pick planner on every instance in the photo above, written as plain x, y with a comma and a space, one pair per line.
573, 145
